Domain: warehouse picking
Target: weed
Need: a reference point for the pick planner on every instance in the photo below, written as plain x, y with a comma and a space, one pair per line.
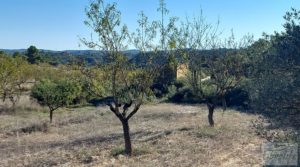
207, 132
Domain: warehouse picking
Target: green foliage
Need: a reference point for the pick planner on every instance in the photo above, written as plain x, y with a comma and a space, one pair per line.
18, 54
32, 55
238, 97
207, 132
121, 151
128, 85
117, 151
144, 37
213, 77
14, 73
275, 81
55, 94
183, 95
166, 76
180, 92
94, 81
119, 77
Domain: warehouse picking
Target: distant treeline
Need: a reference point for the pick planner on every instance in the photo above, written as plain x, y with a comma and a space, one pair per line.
94, 57
91, 57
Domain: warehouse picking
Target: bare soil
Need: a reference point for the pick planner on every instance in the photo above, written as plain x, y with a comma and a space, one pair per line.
162, 135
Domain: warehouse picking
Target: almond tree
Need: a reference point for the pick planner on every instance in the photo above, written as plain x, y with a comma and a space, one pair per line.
127, 83
14, 72
55, 94
216, 66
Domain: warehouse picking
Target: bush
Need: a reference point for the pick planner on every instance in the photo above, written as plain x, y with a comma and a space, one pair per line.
101, 101
184, 95
179, 84
179, 92
161, 87
55, 94
238, 97
159, 90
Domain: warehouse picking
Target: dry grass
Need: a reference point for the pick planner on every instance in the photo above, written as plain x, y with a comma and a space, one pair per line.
162, 134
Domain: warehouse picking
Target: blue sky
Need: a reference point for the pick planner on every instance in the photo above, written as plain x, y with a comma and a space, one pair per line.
58, 24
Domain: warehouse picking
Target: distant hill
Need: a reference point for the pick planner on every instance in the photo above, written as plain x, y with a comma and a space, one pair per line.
66, 56
92, 57
12, 51
72, 52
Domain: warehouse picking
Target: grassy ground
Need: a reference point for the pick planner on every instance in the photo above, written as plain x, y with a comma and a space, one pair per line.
162, 134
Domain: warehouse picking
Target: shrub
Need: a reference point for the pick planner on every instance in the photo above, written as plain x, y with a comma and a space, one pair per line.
238, 97
184, 95
55, 94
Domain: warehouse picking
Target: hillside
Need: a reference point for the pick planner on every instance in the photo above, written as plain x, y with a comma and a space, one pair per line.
68, 56
92, 56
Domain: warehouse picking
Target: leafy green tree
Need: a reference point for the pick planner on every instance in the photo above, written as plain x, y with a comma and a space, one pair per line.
127, 84
18, 54
6, 73
14, 72
167, 31
211, 77
32, 55
55, 94
275, 82
225, 73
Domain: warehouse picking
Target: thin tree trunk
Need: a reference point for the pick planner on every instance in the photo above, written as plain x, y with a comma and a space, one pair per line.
211, 108
224, 104
13, 104
128, 148
51, 115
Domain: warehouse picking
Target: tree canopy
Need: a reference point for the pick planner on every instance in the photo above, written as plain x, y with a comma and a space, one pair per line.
55, 94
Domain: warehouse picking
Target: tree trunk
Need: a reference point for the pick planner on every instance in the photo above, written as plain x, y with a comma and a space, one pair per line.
224, 104
128, 149
51, 115
211, 108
